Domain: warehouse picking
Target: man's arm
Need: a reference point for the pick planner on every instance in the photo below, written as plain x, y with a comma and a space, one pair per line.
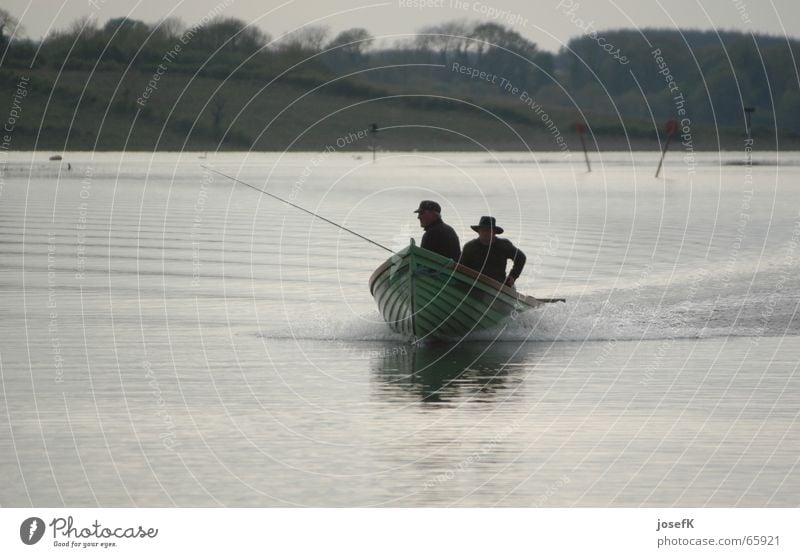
455, 246
516, 255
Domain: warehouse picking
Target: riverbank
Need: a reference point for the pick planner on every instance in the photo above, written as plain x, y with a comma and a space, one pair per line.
187, 113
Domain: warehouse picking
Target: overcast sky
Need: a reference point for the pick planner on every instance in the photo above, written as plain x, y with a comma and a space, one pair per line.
548, 23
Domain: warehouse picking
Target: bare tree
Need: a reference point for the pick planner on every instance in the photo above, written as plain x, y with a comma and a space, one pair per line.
307, 38
217, 111
493, 37
450, 39
85, 26
125, 25
352, 42
9, 26
170, 28
487, 36
237, 33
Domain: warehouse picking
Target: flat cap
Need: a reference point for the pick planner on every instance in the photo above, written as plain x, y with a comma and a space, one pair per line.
428, 205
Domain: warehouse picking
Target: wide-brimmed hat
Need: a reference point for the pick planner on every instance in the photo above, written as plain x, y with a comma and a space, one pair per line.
428, 205
487, 222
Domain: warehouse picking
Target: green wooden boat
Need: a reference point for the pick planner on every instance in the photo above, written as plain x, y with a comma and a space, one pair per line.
425, 296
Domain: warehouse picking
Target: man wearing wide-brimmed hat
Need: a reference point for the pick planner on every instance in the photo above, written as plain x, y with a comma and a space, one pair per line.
489, 254
439, 237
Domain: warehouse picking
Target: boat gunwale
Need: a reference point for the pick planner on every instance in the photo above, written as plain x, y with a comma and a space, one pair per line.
495, 285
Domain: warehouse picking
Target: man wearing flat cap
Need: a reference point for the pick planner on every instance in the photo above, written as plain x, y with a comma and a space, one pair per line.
489, 254
439, 237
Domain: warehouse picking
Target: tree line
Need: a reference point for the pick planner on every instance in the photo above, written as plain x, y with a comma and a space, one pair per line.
717, 74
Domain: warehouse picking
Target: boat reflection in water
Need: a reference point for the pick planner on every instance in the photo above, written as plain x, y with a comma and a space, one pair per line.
447, 373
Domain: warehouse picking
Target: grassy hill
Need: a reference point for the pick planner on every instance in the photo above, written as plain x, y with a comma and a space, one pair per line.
184, 112
110, 88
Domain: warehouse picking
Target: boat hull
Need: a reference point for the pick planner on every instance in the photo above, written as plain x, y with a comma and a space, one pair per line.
423, 295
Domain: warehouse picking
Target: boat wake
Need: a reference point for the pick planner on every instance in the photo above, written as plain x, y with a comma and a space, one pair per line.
700, 305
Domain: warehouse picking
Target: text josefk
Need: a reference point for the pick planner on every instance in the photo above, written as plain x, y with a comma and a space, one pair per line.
65, 528
685, 523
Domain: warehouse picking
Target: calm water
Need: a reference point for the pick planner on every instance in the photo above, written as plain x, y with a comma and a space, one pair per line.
168, 338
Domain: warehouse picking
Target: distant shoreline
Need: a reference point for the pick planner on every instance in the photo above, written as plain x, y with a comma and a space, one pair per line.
43, 157
404, 142
795, 147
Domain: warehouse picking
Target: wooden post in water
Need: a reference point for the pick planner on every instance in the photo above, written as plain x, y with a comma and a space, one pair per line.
748, 114
373, 134
580, 128
672, 127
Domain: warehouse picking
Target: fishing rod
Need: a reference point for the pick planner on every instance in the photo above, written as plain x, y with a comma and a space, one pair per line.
272, 195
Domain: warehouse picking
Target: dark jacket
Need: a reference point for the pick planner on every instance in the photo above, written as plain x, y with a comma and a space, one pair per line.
491, 260
442, 239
